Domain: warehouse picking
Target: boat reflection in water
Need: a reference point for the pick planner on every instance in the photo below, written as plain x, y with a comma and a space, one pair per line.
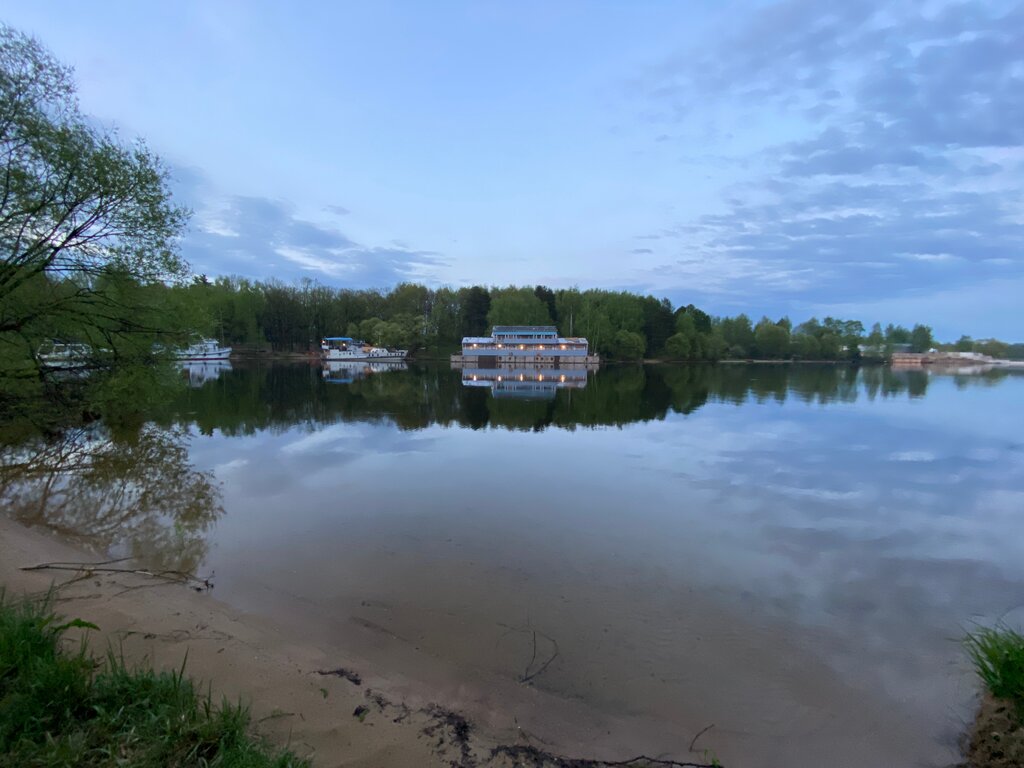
347, 371
525, 383
199, 372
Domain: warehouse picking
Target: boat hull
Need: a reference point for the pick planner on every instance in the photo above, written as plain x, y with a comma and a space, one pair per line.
221, 355
340, 357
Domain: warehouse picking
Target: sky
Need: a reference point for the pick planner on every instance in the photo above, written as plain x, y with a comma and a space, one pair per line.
804, 157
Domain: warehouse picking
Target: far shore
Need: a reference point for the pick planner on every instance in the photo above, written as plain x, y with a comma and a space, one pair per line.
311, 356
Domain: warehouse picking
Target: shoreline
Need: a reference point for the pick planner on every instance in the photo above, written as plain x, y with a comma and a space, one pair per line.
334, 706
319, 703
240, 656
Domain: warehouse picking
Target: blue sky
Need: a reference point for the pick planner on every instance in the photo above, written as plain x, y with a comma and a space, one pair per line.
864, 159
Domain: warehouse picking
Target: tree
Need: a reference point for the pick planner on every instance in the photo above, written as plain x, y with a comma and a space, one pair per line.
701, 319
831, 346
896, 334
517, 306
679, 347
659, 323
771, 339
476, 303
876, 339
79, 210
806, 346
921, 338
964, 344
628, 345
547, 296
738, 335
993, 348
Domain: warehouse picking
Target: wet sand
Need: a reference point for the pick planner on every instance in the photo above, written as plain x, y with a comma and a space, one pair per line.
803, 714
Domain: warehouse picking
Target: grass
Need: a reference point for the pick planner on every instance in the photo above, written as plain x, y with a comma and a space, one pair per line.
997, 738
65, 708
998, 657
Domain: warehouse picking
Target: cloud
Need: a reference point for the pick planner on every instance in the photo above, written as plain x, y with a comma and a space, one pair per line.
641, 251
263, 238
337, 210
906, 178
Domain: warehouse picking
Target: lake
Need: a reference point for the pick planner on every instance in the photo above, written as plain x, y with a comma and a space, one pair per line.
603, 565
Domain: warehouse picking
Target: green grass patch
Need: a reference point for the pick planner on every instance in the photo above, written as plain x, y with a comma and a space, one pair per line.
998, 657
65, 708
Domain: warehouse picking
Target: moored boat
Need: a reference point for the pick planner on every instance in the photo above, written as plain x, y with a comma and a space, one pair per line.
204, 349
64, 355
339, 348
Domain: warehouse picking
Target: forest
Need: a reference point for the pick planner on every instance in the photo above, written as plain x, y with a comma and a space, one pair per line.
619, 325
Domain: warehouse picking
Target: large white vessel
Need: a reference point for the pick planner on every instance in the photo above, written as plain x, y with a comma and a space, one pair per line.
339, 348
525, 345
204, 349
63, 355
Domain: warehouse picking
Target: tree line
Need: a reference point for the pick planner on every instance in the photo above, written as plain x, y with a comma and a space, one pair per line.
619, 325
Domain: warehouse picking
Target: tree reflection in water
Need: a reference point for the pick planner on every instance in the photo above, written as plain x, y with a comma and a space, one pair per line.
136, 494
251, 399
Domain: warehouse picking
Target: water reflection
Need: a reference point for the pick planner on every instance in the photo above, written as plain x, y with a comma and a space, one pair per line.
781, 550
198, 372
259, 397
523, 383
784, 551
347, 371
137, 493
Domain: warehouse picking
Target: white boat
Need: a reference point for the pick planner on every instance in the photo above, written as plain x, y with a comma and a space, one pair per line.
204, 349
57, 354
340, 348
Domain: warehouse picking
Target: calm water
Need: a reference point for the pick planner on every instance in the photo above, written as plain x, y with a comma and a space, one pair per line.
606, 565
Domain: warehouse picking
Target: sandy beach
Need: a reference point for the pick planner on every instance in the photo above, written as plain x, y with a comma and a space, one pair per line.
238, 655
304, 691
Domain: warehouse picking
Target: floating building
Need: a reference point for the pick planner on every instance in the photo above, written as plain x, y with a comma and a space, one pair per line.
519, 345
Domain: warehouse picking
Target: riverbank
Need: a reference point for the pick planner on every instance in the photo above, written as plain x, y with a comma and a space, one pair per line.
59, 702
317, 705
298, 696
997, 738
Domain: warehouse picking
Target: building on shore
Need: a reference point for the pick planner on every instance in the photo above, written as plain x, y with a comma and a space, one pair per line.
519, 345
